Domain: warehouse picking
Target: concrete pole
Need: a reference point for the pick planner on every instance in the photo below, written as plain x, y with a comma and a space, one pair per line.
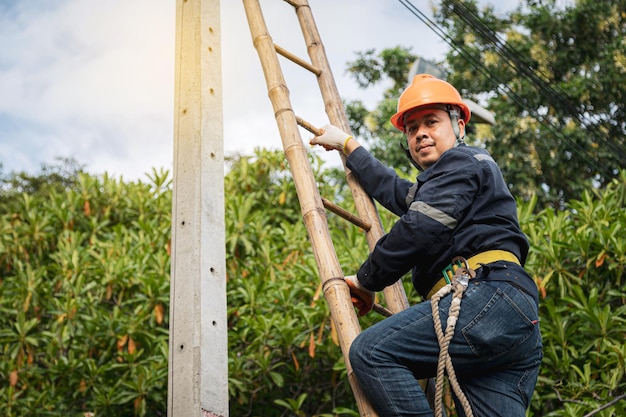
198, 360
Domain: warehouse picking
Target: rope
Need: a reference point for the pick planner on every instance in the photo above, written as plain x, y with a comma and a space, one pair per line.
457, 287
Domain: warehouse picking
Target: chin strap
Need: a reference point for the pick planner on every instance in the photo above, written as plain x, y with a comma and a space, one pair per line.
405, 147
455, 115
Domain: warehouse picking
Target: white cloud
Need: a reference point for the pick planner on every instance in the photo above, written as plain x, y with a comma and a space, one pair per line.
91, 80
94, 79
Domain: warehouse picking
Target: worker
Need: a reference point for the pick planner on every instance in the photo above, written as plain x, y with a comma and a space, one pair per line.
460, 206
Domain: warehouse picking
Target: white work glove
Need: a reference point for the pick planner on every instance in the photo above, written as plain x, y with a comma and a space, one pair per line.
332, 138
362, 298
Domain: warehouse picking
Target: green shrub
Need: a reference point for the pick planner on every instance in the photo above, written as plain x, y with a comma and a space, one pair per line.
578, 259
84, 297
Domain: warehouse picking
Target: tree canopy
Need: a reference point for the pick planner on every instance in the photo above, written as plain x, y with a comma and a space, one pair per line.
84, 296
552, 75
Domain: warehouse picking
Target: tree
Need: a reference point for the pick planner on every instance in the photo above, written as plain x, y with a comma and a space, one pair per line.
370, 68
60, 176
84, 297
554, 79
578, 261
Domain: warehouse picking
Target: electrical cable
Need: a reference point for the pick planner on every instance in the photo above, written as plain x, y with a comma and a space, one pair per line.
501, 86
518, 62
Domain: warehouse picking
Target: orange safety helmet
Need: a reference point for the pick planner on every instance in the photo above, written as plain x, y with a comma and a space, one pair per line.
427, 90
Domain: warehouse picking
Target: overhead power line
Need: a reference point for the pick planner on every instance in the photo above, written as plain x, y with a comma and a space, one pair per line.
518, 61
504, 89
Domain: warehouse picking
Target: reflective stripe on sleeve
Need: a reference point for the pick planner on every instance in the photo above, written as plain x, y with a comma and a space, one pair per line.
433, 213
483, 157
411, 194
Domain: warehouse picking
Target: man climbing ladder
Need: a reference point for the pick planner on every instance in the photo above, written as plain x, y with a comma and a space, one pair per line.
459, 208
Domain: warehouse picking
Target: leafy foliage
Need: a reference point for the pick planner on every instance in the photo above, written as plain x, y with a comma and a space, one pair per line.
372, 68
284, 354
59, 176
578, 260
84, 295
553, 76
84, 298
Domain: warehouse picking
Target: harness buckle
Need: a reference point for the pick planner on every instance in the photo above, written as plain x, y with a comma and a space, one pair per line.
459, 267
448, 271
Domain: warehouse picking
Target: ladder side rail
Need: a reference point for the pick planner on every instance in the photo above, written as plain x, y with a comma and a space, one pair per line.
334, 287
395, 295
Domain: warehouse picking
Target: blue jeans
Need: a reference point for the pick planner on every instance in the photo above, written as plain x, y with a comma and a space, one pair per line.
495, 351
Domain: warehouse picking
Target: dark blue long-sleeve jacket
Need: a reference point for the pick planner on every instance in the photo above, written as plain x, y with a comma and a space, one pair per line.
460, 206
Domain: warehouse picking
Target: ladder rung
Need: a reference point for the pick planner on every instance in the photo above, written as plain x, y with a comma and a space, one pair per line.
293, 58
341, 212
293, 3
308, 126
385, 312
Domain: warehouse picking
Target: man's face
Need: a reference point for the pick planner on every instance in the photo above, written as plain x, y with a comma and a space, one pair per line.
429, 134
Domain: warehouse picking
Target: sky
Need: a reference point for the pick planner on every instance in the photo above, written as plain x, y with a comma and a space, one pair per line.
94, 79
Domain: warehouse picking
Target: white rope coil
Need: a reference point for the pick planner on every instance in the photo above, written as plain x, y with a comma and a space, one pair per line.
445, 363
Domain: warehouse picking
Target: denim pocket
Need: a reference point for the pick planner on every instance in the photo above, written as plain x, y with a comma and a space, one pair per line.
500, 327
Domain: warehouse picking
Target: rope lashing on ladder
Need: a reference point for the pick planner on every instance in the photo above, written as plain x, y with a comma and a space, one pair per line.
458, 286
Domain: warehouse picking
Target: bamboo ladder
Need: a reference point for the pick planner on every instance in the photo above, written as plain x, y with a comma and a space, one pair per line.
312, 204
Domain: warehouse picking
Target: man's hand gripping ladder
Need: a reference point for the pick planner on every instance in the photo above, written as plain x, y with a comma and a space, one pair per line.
458, 286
